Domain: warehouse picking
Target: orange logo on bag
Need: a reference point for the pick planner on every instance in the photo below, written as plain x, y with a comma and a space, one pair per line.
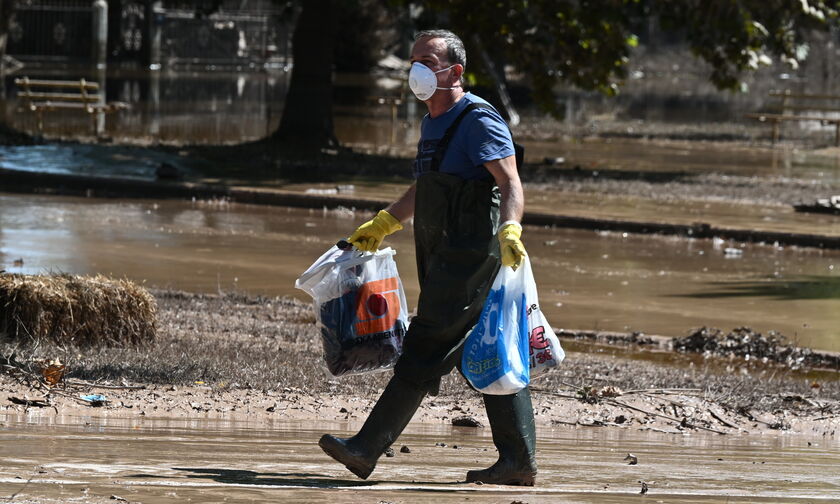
378, 306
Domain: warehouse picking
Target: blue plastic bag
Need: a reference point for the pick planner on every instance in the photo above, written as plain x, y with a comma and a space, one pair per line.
496, 357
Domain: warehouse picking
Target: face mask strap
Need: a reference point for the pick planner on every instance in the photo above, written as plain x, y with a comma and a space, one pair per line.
443, 70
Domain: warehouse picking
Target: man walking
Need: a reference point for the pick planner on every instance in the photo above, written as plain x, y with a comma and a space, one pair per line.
467, 204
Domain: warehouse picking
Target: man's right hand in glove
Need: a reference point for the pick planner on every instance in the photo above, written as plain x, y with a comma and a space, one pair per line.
369, 235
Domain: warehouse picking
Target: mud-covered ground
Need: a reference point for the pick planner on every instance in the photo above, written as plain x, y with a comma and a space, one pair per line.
235, 355
232, 356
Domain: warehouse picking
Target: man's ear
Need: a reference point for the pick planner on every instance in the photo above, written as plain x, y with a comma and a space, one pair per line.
459, 71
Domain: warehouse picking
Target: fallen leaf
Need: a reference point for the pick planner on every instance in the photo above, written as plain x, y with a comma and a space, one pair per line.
610, 391
53, 372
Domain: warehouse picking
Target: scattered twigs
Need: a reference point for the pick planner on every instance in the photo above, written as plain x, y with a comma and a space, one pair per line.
550, 392
723, 421
570, 385
640, 410
654, 429
12, 497
675, 403
83, 383
661, 391
46, 382
673, 419
828, 417
25, 401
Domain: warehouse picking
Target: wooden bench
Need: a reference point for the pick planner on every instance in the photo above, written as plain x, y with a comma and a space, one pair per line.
802, 107
39, 96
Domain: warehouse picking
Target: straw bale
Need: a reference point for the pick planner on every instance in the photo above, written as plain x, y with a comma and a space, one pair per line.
80, 310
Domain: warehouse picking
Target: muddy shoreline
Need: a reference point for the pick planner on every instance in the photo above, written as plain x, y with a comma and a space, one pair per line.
240, 357
114, 187
237, 356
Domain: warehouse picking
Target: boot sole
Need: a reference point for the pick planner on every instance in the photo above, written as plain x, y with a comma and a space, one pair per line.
340, 454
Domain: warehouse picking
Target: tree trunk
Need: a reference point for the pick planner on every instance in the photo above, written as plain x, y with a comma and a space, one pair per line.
307, 121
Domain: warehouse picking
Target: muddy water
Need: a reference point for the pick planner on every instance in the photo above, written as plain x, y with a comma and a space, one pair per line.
678, 158
723, 214
587, 280
638, 157
89, 459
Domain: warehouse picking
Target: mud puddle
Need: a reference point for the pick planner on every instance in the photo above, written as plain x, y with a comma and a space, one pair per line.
89, 459
587, 280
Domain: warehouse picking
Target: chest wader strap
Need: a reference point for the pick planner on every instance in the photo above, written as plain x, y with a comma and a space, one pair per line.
443, 144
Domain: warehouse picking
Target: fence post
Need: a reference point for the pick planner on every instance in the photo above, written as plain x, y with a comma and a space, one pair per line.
154, 23
100, 33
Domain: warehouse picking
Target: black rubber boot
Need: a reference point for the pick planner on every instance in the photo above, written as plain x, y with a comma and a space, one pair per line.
512, 422
383, 426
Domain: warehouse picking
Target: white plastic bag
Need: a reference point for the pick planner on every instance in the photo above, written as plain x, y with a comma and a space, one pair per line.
495, 359
512, 341
545, 351
360, 308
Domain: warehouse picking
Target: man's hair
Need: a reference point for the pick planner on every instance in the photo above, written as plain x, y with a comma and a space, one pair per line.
455, 51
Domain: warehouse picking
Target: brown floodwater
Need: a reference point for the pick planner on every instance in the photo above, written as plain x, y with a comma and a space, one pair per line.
159, 461
688, 157
586, 279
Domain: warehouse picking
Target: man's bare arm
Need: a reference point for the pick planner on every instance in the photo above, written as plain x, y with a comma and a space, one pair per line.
403, 208
507, 178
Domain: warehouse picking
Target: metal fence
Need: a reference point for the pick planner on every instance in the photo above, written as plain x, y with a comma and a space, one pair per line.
231, 38
247, 34
51, 30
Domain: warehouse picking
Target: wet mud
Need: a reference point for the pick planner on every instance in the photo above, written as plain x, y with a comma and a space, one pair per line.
592, 281
747, 344
261, 359
94, 460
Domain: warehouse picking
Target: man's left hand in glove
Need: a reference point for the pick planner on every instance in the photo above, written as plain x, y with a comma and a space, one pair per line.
512, 249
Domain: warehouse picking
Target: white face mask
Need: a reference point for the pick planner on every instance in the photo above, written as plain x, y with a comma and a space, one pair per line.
423, 81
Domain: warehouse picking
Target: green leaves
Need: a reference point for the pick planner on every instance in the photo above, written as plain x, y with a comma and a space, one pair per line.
589, 44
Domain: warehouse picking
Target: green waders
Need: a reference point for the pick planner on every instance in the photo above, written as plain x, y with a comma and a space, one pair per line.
455, 222
512, 422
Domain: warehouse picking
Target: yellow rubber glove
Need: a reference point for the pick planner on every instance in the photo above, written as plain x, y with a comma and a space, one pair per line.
369, 235
513, 251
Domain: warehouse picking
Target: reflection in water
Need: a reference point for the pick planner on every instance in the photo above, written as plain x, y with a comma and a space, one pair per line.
809, 287
587, 280
222, 107
170, 106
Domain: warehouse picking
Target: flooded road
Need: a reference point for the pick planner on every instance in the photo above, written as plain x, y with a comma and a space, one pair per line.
587, 280
90, 459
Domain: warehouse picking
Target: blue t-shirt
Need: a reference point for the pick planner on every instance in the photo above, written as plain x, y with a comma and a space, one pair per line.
482, 136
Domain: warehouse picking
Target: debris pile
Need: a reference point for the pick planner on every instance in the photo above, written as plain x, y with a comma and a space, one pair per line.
748, 344
74, 309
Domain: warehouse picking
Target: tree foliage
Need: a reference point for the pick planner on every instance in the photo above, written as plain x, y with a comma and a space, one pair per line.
589, 43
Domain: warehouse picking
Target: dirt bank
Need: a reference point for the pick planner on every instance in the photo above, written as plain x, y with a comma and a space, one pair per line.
234, 356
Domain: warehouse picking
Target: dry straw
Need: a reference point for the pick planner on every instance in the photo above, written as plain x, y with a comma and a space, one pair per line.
69, 309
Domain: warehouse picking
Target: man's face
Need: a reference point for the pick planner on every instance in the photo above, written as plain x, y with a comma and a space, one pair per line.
432, 52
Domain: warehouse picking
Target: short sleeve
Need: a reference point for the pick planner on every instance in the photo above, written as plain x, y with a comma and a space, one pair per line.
488, 138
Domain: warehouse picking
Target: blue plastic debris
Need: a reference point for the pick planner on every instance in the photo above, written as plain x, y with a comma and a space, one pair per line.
95, 399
